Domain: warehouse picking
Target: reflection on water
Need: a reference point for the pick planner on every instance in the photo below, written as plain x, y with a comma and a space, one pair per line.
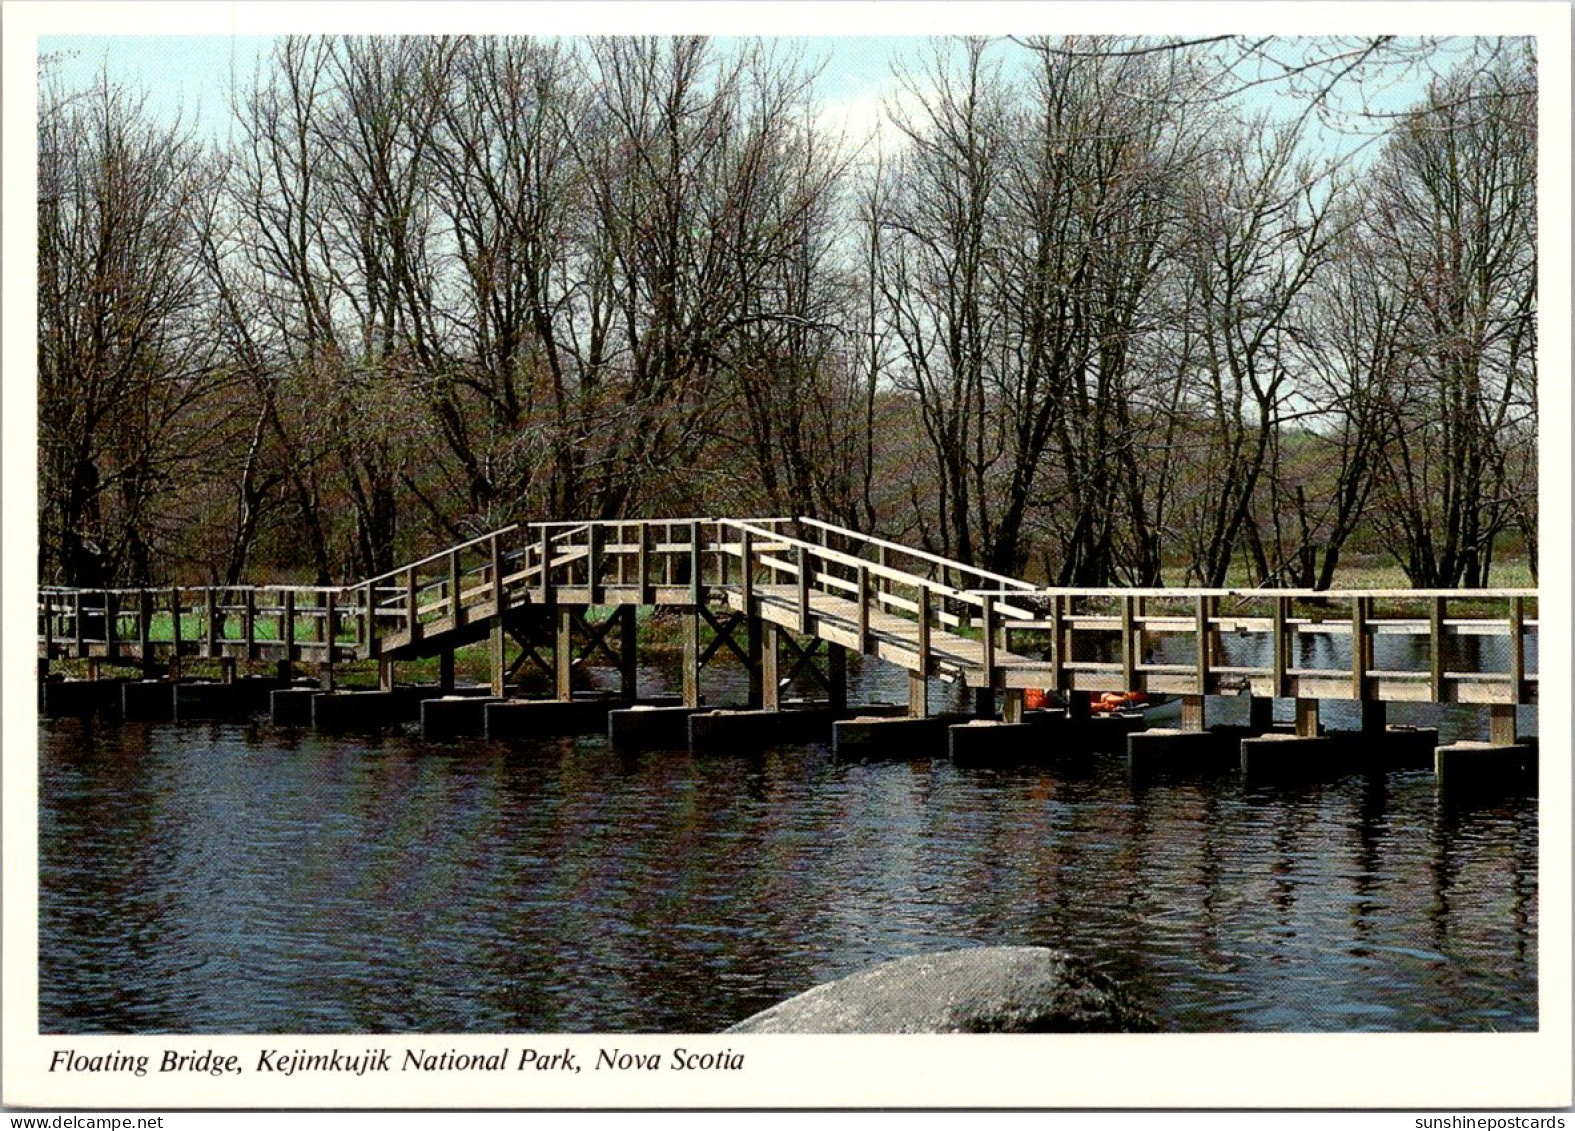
241, 878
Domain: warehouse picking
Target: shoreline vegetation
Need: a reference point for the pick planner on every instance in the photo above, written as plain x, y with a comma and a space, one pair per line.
1095, 312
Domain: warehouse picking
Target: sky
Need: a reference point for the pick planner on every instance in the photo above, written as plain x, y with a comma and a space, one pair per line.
190, 75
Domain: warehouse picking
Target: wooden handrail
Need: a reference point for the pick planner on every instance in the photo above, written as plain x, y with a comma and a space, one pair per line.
1182, 593
443, 553
1012, 585
971, 597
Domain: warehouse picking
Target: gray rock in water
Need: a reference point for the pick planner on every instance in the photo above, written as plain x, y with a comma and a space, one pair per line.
1008, 989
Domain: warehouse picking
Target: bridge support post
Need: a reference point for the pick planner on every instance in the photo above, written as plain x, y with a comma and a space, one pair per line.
918, 696
287, 636
563, 654
1375, 717
984, 702
385, 674
770, 669
1306, 718
446, 670
1501, 724
628, 657
691, 673
754, 632
226, 669
836, 675
1260, 714
175, 635
497, 664
1192, 713
328, 632
1077, 704
145, 656
1012, 707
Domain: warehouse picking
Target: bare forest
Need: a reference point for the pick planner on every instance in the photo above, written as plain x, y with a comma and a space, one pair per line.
1089, 311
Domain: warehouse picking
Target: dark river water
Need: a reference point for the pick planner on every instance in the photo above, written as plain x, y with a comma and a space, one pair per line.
243, 878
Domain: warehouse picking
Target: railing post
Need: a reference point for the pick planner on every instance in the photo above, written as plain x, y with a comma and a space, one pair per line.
496, 554
175, 641
1281, 648
1517, 649
643, 565
546, 565
145, 629
287, 629
864, 609
49, 626
249, 622
370, 622
1128, 643
211, 628
1201, 611
593, 564
1057, 643
81, 628
456, 607
111, 629
1359, 647
329, 627
696, 587
412, 616
1435, 642
803, 589
988, 618
746, 563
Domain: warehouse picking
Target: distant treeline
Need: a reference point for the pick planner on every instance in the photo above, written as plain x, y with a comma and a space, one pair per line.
1082, 314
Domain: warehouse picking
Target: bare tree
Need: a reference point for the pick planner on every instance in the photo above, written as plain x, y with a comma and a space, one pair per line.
1109, 143
1324, 467
511, 193
1024, 236
685, 159
937, 229
1455, 226
1257, 234
130, 402
331, 188
1087, 314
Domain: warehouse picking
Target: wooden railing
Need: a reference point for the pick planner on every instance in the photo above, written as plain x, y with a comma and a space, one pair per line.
437, 593
878, 585
1444, 646
288, 622
1288, 643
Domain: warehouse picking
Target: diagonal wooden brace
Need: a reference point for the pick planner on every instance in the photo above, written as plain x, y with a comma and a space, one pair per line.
724, 636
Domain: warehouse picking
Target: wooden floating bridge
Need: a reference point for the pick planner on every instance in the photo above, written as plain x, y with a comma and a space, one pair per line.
781, 593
